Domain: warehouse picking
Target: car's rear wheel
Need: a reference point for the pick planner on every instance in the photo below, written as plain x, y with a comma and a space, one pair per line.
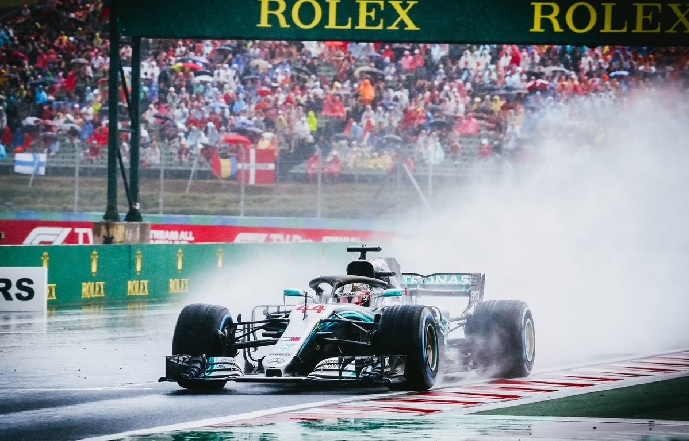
197, 332
502, 338
411, 330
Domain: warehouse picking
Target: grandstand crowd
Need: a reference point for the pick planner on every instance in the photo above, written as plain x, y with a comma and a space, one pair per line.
334, 105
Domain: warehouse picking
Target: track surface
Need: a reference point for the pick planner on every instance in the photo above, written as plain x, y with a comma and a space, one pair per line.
93, 372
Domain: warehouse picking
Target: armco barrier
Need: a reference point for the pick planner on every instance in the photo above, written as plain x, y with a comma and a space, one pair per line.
88, 274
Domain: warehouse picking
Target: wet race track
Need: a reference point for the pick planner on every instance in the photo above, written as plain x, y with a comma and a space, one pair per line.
93, 372
90, 372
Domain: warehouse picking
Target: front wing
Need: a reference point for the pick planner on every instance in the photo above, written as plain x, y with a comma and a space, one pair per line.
343, 369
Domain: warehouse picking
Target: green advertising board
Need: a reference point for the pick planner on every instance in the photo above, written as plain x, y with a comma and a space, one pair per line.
81, 275
658, 23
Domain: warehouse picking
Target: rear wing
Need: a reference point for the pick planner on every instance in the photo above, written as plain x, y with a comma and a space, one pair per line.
446, 284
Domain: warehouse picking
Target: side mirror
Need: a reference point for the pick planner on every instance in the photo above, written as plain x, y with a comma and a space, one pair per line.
393, 293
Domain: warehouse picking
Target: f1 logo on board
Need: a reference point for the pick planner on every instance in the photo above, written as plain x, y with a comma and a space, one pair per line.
23, 289
57, 236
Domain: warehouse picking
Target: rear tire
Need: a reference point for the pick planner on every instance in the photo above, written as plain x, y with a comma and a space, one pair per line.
197, 333
502, 338
412, 331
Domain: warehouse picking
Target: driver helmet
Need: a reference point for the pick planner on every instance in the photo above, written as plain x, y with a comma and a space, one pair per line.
362, 294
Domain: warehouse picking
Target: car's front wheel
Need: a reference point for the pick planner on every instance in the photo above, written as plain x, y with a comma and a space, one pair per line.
411, 331
197, 332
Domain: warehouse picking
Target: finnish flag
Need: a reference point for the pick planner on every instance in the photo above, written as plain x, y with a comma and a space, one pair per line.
30, 163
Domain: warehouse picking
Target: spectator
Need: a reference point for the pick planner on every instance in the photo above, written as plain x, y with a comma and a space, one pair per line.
428, 82
152, 155
366, 92
467, 125
312, 121
313, 166
333, 167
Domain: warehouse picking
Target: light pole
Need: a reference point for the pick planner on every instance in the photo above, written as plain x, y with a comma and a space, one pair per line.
319, 182
241, 183
161, 197
77, 158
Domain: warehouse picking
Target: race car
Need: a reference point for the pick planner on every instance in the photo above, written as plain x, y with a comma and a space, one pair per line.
373, 325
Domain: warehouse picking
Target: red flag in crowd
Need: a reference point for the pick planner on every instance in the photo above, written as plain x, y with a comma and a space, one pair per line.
258, 168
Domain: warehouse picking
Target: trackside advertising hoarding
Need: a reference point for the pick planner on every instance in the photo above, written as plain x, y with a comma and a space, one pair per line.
651, 23
37, 232
134, 274
23, 289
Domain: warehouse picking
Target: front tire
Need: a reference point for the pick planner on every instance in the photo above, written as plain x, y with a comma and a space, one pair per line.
197, 332
502, 338
412, 331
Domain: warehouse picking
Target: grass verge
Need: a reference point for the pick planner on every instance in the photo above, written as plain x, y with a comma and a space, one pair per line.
662, 400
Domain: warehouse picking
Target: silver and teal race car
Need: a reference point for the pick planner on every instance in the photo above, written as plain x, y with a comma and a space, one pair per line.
373, 325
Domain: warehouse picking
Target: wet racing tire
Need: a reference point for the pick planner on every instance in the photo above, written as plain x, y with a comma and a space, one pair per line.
196, 333
412, 331
502, 338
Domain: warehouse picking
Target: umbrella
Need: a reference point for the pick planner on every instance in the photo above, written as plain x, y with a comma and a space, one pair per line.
334, 44
439, 124
619, 73
76, 20
80, 61
539, 84
392, 139
202, 79
234, 138
510, 91
551, 69
67, 127
533, 73
30, 121
220, 53
17, 54
199, 73
300, 77
250, 132
261, 64
191, 66
162, 116
367, 70
301, 70
264, 91
387, 105
486, 87
188, 66
46, 123
398, 49
199, 60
